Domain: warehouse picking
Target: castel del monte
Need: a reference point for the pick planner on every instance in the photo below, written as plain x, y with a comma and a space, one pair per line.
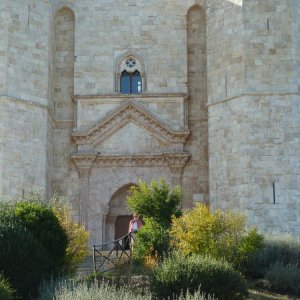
96, 94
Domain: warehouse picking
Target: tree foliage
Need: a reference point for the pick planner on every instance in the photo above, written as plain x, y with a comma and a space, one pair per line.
38, 240
40, 220
158, 204
152, 240
155, 201
179, 274
6, 291
219, 234
77, 248
23, 260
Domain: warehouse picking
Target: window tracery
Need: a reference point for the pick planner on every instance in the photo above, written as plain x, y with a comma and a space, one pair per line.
130, 74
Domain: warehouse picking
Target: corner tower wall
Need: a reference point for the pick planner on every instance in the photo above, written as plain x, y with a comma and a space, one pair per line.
25, 121
254, 130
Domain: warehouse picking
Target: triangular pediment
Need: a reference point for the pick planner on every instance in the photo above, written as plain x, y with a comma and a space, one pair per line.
131, 139
129, 112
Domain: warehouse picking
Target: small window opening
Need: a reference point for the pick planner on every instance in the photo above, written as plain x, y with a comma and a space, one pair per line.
131, 83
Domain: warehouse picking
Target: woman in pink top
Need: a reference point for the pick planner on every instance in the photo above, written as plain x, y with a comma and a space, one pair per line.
134, 225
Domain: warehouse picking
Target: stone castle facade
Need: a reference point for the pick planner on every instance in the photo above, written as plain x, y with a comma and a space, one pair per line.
212, 104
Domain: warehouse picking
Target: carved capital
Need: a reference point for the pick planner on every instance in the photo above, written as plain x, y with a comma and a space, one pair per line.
84, 164
176, 164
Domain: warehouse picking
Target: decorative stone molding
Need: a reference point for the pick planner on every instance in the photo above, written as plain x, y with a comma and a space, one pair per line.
130, 111
121, 65
84, 165
175, 161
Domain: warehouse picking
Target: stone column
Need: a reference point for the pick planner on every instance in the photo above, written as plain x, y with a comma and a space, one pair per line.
84, 167
176, 162
110, 227
176, 173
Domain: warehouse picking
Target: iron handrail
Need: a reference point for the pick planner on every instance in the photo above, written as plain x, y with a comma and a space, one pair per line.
117, 245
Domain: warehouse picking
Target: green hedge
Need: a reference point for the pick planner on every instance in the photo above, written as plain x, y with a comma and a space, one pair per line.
44, 225
74, 290
6, 291
32, 245
179, 274
277, 248
151, 239
283, 278
22, 259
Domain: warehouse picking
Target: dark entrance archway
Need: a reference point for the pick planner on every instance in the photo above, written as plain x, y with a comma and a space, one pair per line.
118, 217
121, 226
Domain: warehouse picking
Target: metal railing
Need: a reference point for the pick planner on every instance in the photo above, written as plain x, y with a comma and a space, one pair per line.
116, 248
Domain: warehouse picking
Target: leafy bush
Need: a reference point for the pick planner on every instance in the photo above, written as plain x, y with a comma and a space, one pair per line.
179, 274
77, 248
152, 239
41, 221
23, 260
284, 278
155, 201
33, 244
6, 291
158, 204
219, 234
277, 248
70, 290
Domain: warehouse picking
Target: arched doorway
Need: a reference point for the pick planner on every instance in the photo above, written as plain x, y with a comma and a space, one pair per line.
118, 217
121, 226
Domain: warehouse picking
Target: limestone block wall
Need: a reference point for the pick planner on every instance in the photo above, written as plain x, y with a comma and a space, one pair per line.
23, 148
65, 177
25, 118
258, 146
225, 49
4, 24
28, 51
296, 37
155, 30
254, 132
195, 174
270, 46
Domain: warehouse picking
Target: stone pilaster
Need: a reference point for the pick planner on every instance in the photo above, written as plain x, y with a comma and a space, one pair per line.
176, 164
84, 166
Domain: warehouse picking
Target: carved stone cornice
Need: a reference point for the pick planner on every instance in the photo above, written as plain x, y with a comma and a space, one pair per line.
175, 160
77, 98
130, 111
84, 164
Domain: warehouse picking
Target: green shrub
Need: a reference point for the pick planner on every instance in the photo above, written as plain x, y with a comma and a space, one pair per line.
6, 291
155, 201
152, 239
77, 248
42, 222
23, 260
179, 274
158, 204
219, 234
70, 290
277, 248
284, 278
32, 244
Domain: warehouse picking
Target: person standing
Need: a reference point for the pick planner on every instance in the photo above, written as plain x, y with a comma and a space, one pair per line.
134, 225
